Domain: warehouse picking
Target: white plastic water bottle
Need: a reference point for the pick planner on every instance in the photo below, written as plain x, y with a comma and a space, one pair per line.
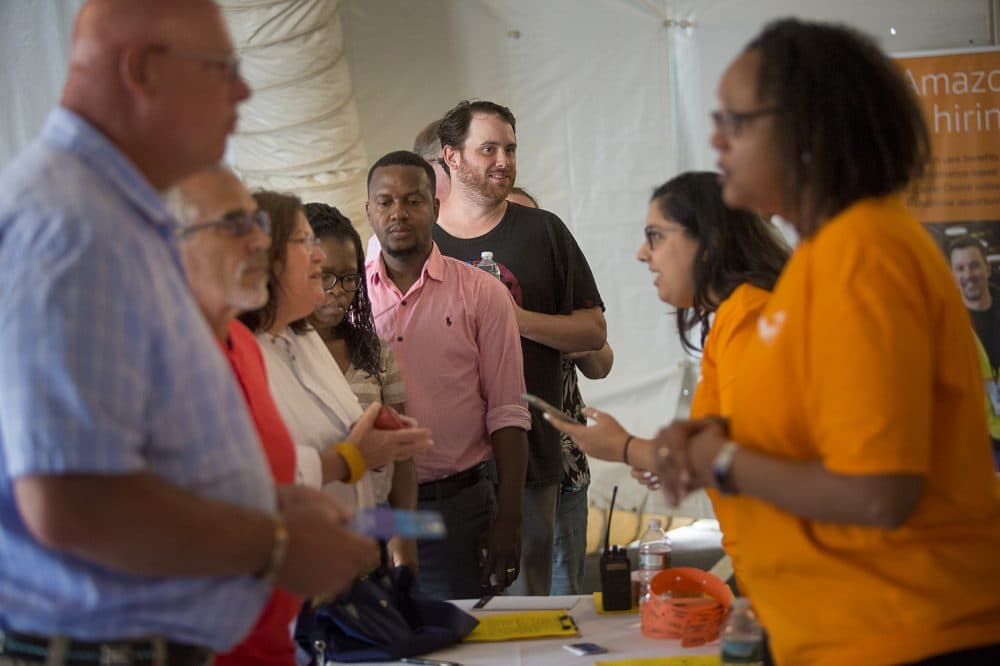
487, 264
742, 638
654, 554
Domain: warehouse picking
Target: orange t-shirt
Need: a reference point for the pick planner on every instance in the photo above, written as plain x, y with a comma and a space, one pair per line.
864, 359
733, 327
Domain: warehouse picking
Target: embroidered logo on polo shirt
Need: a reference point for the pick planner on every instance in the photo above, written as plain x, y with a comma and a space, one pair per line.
447, 319
768, 327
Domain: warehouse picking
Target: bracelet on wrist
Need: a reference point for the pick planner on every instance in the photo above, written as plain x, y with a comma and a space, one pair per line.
351, 454
278, 549
628, 441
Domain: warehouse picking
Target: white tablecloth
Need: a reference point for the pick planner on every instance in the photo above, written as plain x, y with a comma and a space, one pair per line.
618, 633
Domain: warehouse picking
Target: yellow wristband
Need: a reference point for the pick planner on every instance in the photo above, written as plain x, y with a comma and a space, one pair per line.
277, 557
355, 461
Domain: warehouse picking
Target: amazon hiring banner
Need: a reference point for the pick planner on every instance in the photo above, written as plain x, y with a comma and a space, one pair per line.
959, 201
960, 95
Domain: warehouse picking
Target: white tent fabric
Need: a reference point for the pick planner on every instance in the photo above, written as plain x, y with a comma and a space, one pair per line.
299, 132
612, 98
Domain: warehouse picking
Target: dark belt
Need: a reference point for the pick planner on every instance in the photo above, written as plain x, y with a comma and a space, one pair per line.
110, 653
450, 486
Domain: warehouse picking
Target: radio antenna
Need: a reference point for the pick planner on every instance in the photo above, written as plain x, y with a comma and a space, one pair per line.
611, 511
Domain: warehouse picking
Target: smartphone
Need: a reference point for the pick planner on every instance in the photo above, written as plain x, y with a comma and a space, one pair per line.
384, 523
583, 649
388, 419
543, 406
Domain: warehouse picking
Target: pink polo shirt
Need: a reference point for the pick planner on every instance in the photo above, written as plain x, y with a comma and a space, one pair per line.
455, 338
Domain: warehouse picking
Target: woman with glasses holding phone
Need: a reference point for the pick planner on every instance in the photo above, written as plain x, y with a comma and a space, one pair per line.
715, 265
855, 460
310, 390
344, 322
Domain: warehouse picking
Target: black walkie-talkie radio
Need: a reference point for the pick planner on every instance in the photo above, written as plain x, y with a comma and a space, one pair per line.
616, 571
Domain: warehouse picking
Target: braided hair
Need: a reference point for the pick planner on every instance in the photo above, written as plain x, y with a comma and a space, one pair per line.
357, 327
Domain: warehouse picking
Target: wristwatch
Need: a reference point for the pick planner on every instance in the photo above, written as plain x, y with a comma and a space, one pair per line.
722, 464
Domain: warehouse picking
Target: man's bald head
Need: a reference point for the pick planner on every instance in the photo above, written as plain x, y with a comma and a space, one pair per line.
103, 28
158, 78
211, 193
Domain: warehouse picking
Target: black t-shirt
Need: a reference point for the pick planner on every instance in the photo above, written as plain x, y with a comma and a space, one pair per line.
546, 272
987, 325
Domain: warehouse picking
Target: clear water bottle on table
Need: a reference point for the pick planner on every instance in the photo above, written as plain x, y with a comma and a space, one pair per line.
654, 554
742, 637
487, 263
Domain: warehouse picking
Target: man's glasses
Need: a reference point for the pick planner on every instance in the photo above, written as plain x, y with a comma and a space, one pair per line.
237, 223
732, 123
229, 65
347, 282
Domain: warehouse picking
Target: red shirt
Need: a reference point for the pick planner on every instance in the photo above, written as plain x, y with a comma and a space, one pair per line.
270, 640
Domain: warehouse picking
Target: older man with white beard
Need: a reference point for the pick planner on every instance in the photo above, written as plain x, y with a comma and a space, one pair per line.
224, 240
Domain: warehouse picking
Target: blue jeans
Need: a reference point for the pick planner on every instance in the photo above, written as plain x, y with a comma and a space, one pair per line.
538, 519
569, 546
449, 568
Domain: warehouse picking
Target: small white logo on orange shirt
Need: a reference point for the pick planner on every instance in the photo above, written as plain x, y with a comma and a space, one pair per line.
769, 327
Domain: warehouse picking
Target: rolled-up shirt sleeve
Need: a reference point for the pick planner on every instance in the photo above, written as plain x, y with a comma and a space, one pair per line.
501, 365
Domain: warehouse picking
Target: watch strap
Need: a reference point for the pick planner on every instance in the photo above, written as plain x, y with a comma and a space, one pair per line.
722, 465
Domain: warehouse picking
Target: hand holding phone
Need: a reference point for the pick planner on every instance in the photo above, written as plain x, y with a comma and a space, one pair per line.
383, 523
546, 408
388, 419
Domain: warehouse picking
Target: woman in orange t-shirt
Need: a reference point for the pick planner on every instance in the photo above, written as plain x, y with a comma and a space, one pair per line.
708, 260
856, 463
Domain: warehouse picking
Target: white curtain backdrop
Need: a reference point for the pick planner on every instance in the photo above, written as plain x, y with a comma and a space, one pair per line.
299, 132
612, 98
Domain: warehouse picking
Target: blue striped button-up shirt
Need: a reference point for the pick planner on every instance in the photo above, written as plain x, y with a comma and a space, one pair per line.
107, 367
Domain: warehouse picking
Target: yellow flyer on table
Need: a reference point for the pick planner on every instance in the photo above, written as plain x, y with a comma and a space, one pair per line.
526, 624
709, 660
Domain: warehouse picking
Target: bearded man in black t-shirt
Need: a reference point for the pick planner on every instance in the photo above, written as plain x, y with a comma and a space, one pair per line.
967, 258
558, 307
971, 269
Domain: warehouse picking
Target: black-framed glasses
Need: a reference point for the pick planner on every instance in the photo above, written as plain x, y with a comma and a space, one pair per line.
237, 223
347, 282
732, 123
229, 65
655, 234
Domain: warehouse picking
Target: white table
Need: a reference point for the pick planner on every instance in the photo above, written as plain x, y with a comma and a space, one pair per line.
620, 634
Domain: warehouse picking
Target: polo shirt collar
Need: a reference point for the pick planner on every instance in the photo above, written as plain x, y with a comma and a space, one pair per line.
70, 131
433, 268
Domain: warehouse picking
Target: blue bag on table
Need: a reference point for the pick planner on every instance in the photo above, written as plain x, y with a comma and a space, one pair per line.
382, 617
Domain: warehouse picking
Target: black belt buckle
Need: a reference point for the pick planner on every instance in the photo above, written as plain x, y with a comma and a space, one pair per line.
450, 486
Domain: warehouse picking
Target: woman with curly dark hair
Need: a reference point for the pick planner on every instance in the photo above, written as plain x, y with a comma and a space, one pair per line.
344, 322
854, 460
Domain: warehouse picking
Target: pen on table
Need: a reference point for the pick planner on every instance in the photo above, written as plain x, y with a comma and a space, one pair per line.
429, 662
